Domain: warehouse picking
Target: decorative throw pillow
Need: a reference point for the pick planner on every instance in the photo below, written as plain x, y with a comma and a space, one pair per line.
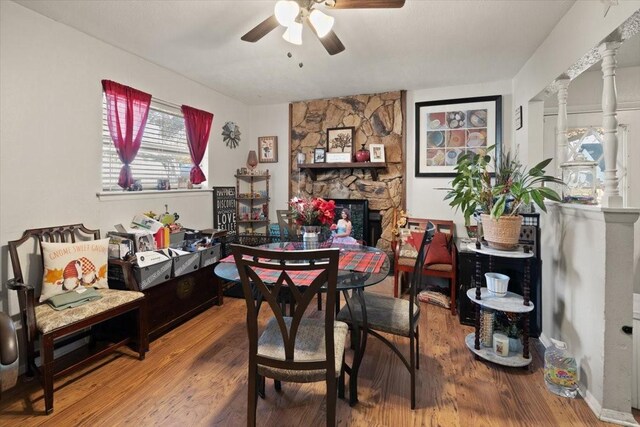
439, 250
410, 241
70, 265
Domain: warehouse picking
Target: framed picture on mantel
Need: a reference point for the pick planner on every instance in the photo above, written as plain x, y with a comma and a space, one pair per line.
448, 129
340, 145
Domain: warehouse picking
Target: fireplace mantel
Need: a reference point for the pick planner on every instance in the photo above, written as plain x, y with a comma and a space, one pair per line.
312, 168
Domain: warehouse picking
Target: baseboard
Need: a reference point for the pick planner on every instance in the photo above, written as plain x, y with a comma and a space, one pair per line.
544, 340
606, 415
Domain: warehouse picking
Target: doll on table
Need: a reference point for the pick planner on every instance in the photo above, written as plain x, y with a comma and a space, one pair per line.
343, 230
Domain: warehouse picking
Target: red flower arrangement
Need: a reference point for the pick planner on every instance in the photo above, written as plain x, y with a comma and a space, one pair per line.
312, 211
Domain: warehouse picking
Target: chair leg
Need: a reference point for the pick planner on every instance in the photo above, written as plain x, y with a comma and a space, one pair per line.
252, 401
341, 380
261, 386
46, 351
417, 347
30, 373
395, 282
277, 385
453, 297
319, 302
331, 401
412, 365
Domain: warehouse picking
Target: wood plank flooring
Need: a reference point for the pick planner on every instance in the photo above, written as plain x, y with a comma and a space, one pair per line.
195, 375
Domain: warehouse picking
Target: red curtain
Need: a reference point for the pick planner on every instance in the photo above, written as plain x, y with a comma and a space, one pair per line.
198, 126
127, 112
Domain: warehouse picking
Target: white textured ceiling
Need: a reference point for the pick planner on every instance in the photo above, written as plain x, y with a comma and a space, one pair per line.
422, 45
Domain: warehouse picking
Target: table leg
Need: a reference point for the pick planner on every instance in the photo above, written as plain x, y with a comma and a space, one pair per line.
360, 333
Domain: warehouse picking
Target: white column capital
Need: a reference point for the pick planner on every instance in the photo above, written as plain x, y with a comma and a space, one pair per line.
608, 47
563, 83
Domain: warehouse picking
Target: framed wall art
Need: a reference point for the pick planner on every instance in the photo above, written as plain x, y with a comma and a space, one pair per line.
340, 145
447, 129
319, 155
268, 149
377, 153
517, 117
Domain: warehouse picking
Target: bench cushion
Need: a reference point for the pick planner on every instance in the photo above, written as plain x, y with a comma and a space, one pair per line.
48, 319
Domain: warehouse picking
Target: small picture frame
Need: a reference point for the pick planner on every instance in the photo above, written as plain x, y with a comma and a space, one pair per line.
340, 144
518, 117
377, 153
319, 155
268, 149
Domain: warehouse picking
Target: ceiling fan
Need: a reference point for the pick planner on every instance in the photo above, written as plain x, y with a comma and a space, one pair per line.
293, 14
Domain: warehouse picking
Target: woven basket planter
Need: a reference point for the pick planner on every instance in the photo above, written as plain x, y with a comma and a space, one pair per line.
502, 233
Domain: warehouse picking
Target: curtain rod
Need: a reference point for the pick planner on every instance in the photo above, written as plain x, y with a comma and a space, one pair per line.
166, 103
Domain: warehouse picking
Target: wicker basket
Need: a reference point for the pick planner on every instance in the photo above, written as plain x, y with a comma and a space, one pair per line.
502, 233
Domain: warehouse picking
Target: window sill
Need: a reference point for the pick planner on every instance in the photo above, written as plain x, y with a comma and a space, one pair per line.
149, 194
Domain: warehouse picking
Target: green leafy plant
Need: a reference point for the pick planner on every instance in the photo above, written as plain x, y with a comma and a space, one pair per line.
473, 188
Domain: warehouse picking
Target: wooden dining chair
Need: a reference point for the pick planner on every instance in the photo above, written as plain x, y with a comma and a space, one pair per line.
405, 251
296, 348
288, 231
396, 316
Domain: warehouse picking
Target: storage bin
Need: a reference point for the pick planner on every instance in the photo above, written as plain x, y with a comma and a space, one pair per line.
153, 275
210, 255
176, 238
184, 264
635, 386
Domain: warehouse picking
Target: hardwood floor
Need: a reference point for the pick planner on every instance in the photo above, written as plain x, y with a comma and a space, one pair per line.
196, 375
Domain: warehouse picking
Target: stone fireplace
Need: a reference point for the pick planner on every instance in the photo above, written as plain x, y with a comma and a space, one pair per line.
377, 119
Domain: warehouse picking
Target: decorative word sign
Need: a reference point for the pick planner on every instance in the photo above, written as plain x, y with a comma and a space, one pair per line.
224, 208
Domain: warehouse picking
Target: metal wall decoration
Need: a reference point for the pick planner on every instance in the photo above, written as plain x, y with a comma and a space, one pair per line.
231, 134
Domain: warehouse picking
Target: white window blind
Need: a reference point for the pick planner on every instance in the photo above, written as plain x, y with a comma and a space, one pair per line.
163, 152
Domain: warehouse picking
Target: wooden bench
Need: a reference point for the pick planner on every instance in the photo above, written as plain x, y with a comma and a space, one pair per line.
54, 328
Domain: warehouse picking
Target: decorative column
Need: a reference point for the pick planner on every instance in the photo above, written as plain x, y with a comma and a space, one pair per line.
611, 197
562, 141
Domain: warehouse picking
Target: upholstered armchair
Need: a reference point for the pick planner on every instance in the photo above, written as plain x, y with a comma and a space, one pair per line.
441, 258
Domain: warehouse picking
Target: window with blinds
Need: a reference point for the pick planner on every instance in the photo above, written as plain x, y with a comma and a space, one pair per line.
163, 153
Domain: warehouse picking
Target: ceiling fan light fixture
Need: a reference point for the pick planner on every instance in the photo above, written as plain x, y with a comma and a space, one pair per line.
286, 11
321, 22
294, 33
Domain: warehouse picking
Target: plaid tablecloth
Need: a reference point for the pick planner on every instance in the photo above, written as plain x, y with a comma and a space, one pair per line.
364, 262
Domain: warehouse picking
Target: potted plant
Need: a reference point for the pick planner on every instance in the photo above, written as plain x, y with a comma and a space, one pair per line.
499, 199
312, 214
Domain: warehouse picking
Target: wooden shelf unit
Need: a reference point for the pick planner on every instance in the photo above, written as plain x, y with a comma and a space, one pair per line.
312, 168
253, 202
511, 303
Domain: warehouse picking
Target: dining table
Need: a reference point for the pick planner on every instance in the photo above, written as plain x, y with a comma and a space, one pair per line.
359, 267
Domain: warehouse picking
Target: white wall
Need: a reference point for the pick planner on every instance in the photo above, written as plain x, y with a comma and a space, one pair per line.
425, 195
50, 138
270, 120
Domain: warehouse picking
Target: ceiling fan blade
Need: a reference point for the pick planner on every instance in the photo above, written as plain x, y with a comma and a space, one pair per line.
261, 30
331, 42
368, 4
